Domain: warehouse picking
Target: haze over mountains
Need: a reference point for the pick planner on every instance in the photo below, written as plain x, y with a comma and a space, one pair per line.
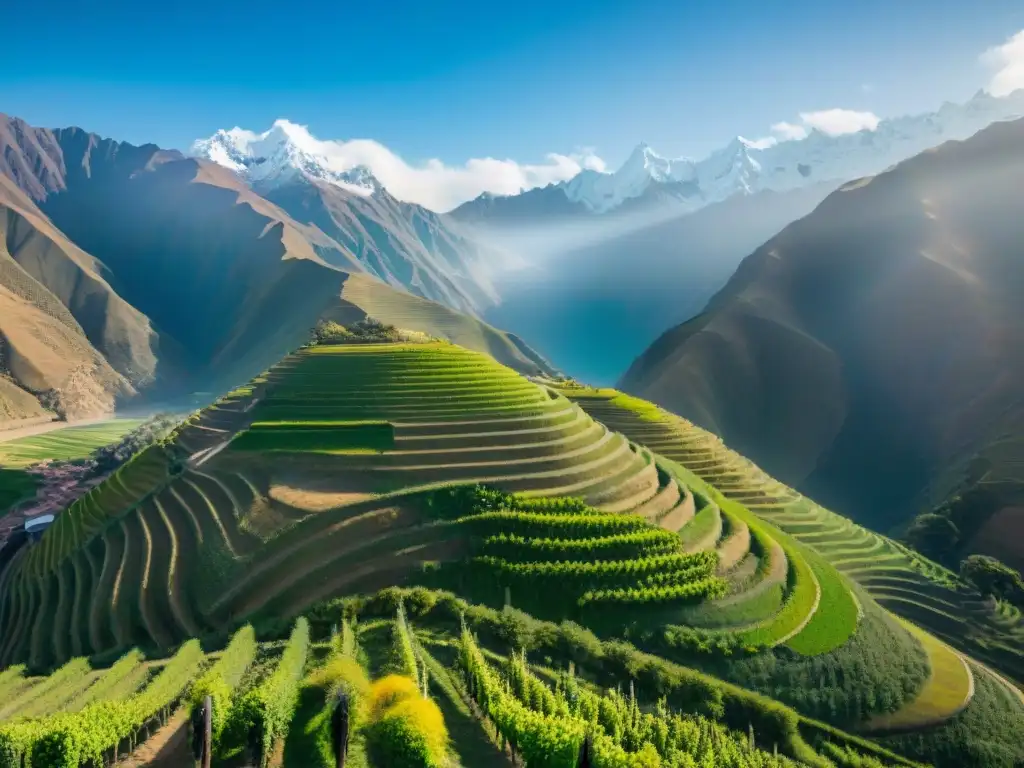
871, 353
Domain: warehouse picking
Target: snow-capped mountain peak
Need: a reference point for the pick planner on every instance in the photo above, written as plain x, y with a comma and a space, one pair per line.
283, 153
745, 166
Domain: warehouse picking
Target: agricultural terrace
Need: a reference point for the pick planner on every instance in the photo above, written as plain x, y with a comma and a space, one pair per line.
886, 571
295, 487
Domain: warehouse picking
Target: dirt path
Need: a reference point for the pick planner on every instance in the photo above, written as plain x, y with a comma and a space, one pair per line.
167, 748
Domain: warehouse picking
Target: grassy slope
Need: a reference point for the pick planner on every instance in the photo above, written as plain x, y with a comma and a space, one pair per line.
68, 443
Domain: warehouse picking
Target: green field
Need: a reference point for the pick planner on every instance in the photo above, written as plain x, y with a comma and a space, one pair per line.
66, 443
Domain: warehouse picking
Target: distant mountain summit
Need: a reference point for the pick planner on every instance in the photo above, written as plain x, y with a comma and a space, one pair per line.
745, 167
285, 153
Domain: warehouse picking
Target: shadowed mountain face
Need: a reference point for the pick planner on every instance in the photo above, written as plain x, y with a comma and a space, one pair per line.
128, 268
405, 245
872, 353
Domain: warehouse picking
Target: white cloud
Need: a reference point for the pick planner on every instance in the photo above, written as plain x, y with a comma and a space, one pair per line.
1008, 62
765, 142
836, 122
432, 183
789, 131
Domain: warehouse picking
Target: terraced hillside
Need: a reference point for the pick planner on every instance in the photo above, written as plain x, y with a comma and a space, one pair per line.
347, 469
897, 578
286, 474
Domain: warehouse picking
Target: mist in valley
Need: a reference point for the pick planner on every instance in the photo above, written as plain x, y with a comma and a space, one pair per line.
592, 294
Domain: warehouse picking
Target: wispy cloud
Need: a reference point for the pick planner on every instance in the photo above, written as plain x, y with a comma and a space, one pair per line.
836, 122
1007, 60
789, 131
432, 183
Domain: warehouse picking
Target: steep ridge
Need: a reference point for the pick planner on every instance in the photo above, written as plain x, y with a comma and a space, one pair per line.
880, 332
67, 340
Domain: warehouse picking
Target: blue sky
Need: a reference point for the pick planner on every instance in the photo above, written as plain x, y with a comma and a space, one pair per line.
493, 79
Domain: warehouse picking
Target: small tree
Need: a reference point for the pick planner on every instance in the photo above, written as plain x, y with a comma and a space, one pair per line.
992, 577
934, 536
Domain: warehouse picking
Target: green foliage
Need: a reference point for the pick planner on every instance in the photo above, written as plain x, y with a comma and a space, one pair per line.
262, 715
547, 727
107, 687
146, 473
639, 543
879, 669
68, 443
109, 457
220, 680
70, 740
703, 523
991, 577
403, 659
685, 643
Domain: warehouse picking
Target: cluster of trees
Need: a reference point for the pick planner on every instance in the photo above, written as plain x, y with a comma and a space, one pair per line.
874, 672
941, 534
991, 577
369, 330
110, 457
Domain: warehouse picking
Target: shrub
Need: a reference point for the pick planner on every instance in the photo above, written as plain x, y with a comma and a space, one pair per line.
409, 734
387, 692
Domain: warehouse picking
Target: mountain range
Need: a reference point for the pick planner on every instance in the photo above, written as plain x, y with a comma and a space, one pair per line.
128, 269
743, 166
871, 353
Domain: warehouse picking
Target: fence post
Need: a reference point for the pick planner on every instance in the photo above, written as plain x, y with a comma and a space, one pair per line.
202, 732
584, 759
340, 729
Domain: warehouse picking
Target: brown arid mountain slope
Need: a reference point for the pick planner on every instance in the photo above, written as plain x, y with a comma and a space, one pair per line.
872, 353
147, 270
68, 344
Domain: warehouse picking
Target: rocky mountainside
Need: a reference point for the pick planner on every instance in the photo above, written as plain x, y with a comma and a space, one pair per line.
872, 353
127, 269
403, 244
648, 180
